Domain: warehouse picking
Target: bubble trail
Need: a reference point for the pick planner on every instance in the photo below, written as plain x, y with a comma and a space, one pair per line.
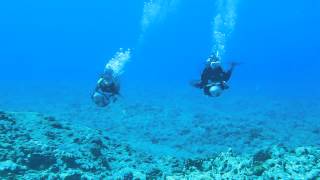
155, 12
223, 25
117, 63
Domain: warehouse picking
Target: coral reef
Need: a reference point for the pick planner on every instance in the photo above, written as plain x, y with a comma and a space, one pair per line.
34, 146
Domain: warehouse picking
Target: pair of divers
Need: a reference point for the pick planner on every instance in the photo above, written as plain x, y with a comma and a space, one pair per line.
214, 80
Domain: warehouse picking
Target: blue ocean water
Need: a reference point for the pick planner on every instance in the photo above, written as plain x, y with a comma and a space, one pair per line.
52, 52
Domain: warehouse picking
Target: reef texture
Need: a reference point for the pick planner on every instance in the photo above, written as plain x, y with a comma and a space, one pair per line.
34, 146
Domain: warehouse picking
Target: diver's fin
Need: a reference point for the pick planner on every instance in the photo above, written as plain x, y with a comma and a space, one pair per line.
196, 84
235, 63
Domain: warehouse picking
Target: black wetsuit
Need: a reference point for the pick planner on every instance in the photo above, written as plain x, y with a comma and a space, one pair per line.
112, 87
107, 88
214, 75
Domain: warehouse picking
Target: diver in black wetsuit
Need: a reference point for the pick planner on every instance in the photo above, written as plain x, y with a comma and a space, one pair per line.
107, 89
213, 78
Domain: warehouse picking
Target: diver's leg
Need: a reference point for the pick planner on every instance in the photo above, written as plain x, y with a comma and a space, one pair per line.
206, 90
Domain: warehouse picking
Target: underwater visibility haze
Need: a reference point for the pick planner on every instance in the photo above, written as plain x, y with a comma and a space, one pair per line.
52, 54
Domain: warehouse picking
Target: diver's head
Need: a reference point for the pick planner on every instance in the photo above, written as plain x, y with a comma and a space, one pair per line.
215, 64
213, 60
108, 74
215, 91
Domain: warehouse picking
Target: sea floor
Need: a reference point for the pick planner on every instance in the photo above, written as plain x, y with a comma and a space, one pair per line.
36, 146
182, 122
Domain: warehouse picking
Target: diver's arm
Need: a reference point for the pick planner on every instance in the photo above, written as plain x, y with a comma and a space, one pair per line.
205, 75
201, 83
227, 74
117, 88
98, 86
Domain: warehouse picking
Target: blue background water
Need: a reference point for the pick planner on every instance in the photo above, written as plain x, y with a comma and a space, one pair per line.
68, 40
47, 44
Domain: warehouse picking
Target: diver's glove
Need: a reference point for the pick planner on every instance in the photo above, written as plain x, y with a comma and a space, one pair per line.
224, 85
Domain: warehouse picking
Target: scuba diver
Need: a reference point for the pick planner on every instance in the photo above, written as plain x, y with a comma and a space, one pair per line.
214, 78
107, 89
108, 86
